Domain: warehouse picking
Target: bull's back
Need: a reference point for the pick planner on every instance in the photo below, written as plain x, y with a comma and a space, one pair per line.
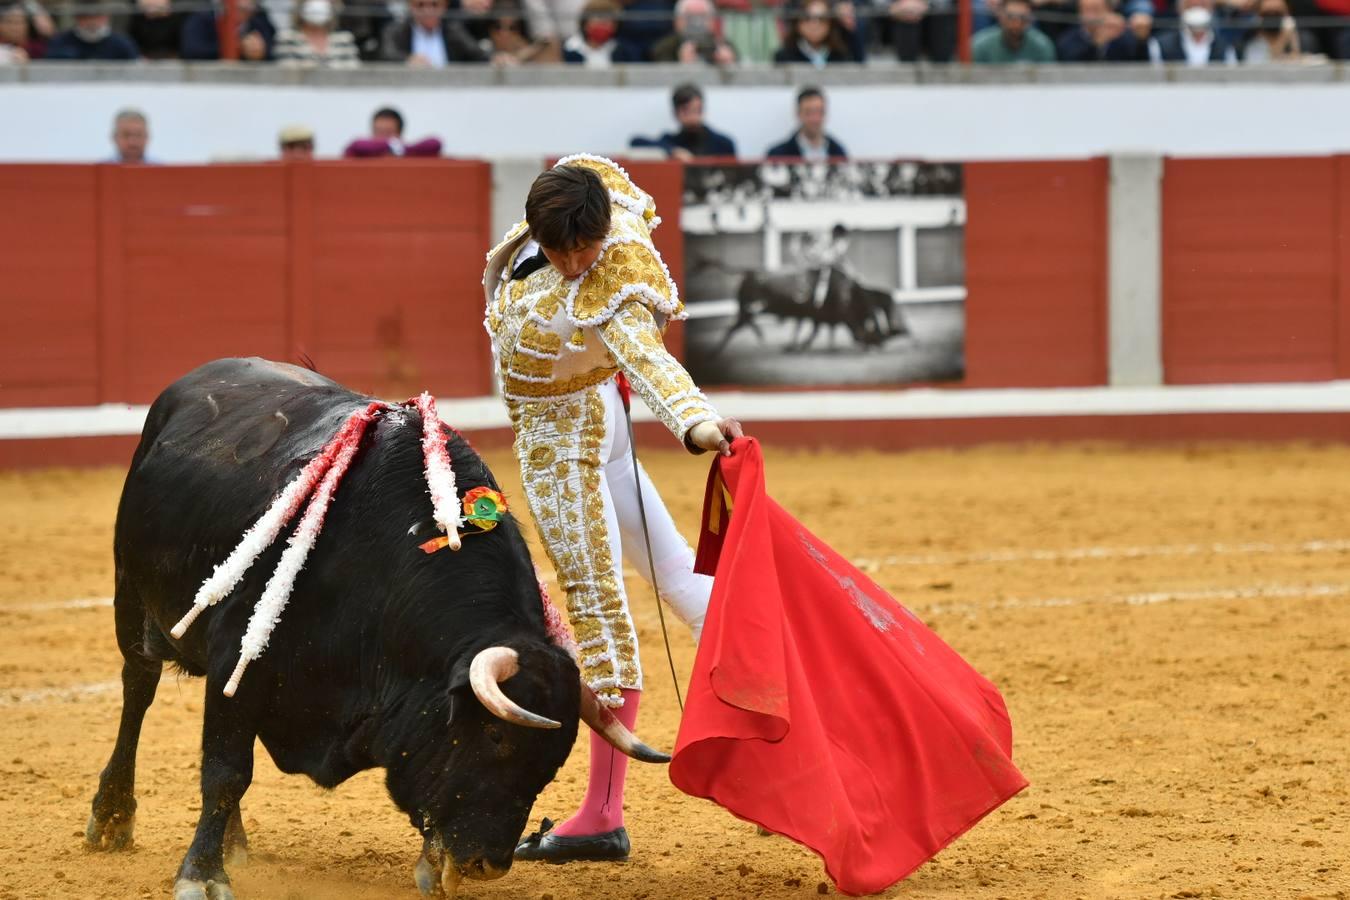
217, 447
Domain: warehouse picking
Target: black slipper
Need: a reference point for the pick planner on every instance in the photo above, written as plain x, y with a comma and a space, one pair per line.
612, 846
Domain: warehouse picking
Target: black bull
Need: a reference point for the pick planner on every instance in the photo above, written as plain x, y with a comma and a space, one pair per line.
385, 657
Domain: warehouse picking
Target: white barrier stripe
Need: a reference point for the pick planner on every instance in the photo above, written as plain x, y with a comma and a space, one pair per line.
1072, 553
480, 413
11, 697
81, 603
1257, 592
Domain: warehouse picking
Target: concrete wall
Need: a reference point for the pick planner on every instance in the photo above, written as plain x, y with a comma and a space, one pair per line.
55, 113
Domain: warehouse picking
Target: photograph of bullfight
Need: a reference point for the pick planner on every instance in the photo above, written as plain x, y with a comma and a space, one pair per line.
820, 274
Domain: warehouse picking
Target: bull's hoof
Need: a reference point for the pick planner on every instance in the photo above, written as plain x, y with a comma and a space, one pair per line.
114, 833
428, 878
183, 889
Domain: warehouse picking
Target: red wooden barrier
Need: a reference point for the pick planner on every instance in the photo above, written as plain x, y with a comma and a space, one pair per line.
1252, 261
120, 279
1036, 274
48, 286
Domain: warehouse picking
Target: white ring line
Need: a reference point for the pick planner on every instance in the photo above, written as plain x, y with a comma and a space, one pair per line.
1254, 592
60, 694
9, 698
80, 603
1332, 545
1072, 553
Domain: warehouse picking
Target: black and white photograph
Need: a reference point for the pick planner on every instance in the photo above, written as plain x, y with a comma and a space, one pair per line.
840, 273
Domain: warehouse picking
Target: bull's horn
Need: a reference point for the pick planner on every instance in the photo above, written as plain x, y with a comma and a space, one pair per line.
603, 723
491, 666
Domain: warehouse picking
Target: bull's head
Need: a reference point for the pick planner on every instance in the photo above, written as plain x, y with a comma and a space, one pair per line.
514, 713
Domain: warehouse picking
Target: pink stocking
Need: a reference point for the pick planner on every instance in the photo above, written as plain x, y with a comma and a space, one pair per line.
602, 810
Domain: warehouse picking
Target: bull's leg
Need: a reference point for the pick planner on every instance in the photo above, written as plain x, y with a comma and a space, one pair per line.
227, 770
112, 821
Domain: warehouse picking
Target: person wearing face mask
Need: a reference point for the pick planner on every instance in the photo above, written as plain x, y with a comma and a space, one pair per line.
1196, 42
696, 37
1275, 38
313, 41
92, 38
594, 45
694, 138
201, 33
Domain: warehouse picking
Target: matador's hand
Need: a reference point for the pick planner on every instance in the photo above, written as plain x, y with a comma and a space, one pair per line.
715, 435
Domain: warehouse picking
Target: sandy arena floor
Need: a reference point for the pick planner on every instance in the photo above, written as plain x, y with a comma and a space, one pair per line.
1171, 629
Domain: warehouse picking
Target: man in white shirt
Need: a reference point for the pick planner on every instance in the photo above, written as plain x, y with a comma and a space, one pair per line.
809, 141
1196, 43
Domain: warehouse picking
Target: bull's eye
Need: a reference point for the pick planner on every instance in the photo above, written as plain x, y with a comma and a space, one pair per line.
494, 734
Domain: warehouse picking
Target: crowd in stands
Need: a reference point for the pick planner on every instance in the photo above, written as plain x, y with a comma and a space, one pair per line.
601, 33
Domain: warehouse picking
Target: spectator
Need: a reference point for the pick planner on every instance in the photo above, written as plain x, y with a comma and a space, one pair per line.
312, 41
595, 45
809, 141
131, 135
201, 33
510, 41
1014, 39
645, 22
296, 142
18, 43
923, 27
553, 21
1275, 37
1053, 17
156, 29
1196, 43
386, 139
694, 138
366, 21
695, 38
428, 40
814, 36
1100, 35
92, 38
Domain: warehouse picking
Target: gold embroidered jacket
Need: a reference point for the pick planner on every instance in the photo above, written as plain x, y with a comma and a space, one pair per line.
553, 338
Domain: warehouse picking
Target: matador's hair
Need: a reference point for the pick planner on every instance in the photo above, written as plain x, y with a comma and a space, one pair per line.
568, 207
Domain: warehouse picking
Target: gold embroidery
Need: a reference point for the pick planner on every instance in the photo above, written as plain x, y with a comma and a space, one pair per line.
662, 383
542, 457
514, 387
624, 266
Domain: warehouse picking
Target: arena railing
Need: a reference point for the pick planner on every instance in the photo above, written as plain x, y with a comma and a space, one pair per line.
871, 73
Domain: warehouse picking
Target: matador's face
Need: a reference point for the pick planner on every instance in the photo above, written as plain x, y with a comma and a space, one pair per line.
574, 263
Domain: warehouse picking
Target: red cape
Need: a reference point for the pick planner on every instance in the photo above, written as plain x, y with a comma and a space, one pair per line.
822, 709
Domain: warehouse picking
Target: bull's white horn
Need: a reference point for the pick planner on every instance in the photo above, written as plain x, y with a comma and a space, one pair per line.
604, 723
491, 666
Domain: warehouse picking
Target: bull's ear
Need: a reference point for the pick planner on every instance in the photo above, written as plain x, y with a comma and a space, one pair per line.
459, 675
458, 690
